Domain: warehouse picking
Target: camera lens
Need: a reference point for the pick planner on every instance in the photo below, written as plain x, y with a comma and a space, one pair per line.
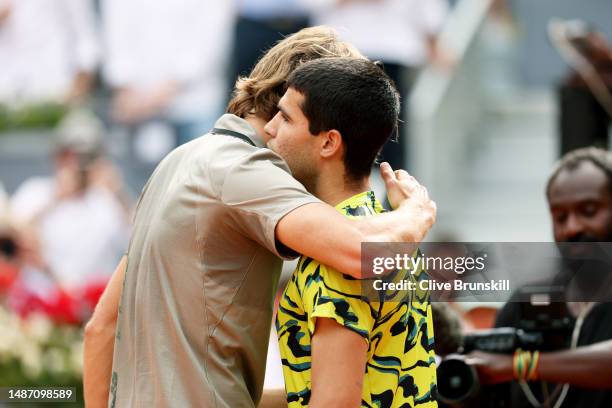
457, 381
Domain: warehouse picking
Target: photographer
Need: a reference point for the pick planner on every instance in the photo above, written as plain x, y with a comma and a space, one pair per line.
74, 225
585, 95
579, 194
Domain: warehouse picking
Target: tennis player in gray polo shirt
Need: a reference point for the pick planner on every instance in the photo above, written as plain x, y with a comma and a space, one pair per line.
210, 229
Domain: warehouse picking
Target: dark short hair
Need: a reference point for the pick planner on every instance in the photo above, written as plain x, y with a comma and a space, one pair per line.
353, 96
599, 157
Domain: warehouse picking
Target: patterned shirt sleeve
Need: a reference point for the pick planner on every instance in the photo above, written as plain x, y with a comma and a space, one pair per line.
328, 293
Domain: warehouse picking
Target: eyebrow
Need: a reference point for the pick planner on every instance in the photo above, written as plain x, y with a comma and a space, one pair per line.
283, 111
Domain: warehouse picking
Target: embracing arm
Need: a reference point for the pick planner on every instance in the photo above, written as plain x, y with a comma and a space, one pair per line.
587, 366
338, 365
335, 240
100, 342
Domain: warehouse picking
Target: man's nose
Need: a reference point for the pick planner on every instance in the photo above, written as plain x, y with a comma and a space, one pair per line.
269, 128
574, 226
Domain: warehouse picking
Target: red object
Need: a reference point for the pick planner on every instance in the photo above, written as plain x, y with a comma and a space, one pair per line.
8, 276
59, 305
481, 317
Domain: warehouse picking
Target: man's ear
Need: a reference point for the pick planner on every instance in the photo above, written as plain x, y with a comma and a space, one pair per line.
331, 143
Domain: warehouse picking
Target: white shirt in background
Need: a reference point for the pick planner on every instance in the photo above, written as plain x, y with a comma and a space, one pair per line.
152, 42
81, 238
43, 45
389, 30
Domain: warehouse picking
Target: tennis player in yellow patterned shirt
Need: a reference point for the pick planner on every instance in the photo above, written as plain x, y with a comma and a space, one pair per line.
340, 349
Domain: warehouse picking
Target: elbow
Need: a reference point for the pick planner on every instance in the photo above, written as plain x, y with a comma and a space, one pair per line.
96, 328
92, 331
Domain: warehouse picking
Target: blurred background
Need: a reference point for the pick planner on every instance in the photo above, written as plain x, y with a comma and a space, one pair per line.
93, 93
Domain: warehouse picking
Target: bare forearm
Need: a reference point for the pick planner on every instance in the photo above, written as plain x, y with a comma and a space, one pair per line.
588, 366
100, 341
333, 239
338, 365
98, 362
336, 241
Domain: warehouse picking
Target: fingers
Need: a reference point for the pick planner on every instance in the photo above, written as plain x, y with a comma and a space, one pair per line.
387, 173
402, 186
402, 174
404, 178
474, 361
423, 191
409, 182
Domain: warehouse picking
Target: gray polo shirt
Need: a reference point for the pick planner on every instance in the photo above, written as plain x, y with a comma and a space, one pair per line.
203, 268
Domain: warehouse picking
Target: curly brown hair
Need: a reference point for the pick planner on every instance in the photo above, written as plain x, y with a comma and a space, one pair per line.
259, 93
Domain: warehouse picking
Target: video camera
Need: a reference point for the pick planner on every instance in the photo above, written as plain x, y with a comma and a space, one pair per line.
542, 322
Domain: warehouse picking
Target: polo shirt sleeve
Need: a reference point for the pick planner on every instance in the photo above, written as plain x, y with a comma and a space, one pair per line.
260, 191
331, 294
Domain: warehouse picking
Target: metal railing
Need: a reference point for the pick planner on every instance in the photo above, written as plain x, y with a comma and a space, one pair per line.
446, 105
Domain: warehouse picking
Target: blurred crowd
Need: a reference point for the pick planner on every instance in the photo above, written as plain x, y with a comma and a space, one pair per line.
62, 234
159, 73
176, 62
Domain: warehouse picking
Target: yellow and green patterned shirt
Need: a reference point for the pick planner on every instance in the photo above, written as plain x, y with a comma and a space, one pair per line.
400, 369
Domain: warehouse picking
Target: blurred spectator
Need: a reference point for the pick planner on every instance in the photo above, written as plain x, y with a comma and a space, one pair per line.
447, 328
25, 290
74, 226
48, 49
8, 248
400, 33
498, 41
585, 95
259, 25
166, 60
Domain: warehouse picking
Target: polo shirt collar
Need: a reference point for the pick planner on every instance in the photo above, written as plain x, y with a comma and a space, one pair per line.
236, 124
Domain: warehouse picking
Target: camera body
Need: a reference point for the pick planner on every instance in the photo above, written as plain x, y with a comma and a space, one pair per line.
541, 321
458, 383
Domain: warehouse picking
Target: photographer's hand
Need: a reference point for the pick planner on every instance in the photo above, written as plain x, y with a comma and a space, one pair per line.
587, 366
492, 368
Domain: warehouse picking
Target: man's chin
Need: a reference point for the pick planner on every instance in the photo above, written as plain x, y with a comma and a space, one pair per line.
272, 147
